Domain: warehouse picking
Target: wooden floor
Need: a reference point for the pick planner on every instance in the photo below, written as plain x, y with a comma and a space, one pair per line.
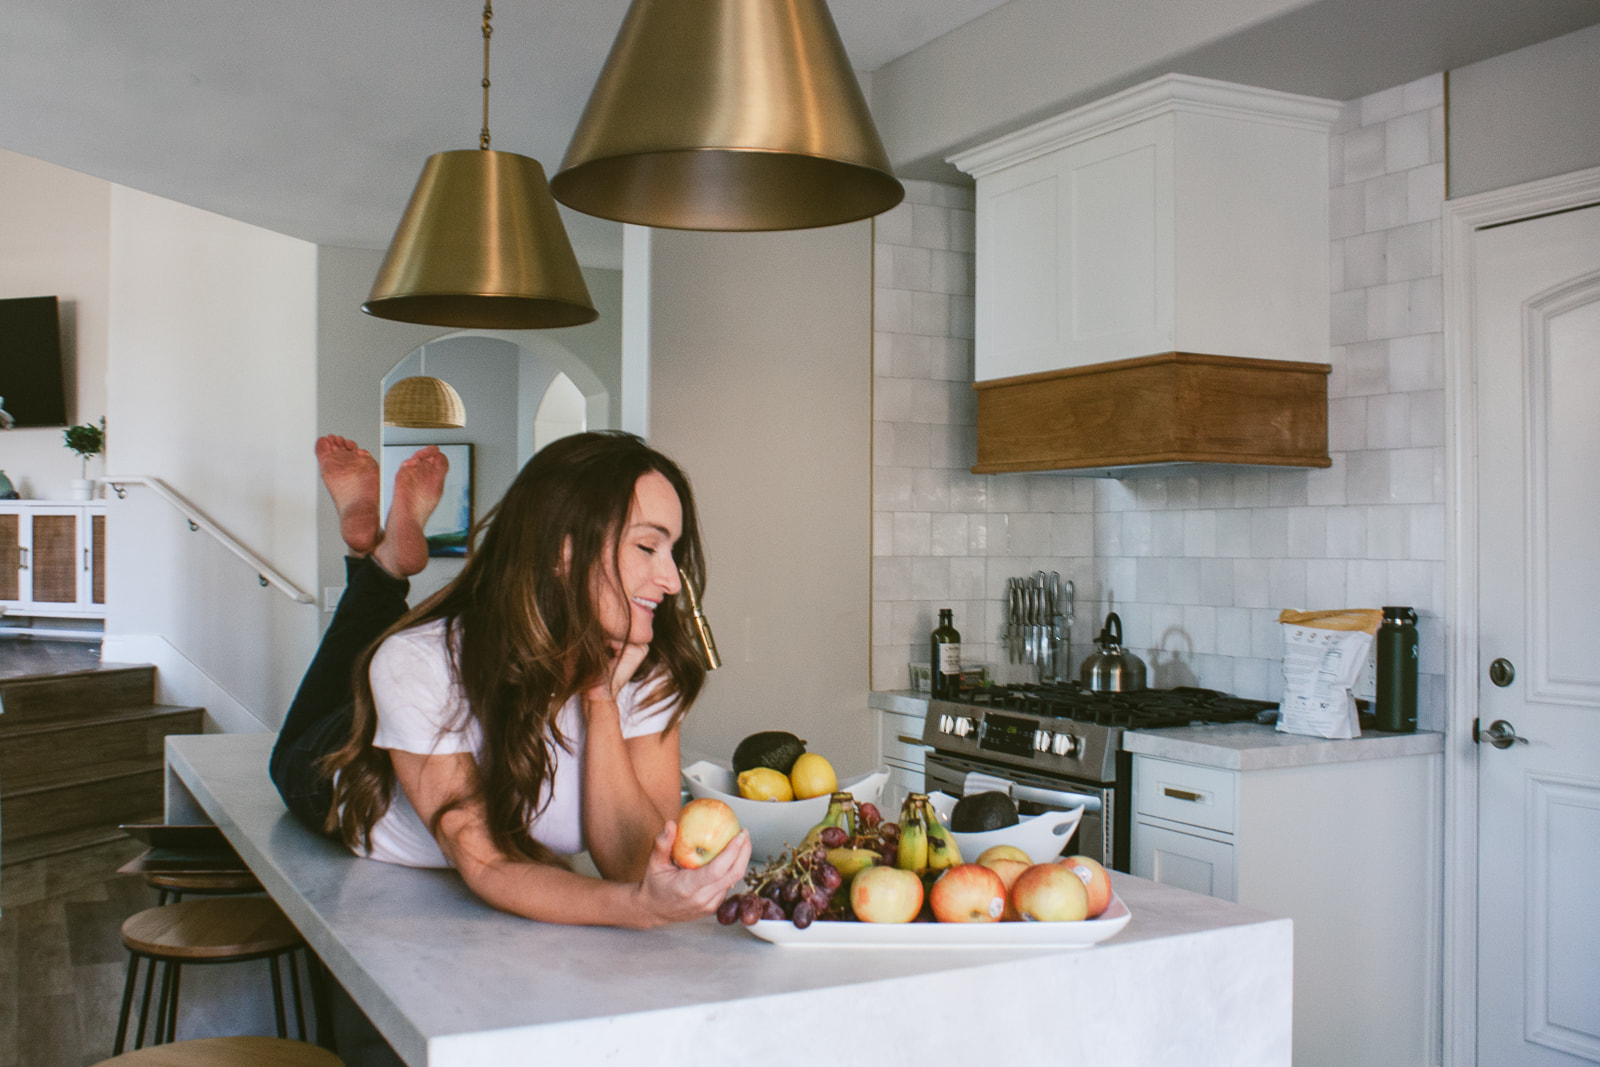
61, 957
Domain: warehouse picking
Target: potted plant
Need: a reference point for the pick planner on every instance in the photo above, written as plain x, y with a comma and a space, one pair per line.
88, 441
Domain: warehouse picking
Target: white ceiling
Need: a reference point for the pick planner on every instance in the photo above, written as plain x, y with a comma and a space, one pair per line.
313, 117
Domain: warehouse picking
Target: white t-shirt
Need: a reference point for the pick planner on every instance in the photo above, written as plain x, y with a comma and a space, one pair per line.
421, 709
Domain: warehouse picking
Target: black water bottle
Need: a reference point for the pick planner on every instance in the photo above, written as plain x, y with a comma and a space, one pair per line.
945, 658
1396, 709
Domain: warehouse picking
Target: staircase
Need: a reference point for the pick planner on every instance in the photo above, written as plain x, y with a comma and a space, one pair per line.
81, 753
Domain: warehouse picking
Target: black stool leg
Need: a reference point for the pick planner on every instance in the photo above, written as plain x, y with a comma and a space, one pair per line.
127, 1004
321, 1009
294, 983
167, 1024
277, 997
144, 1005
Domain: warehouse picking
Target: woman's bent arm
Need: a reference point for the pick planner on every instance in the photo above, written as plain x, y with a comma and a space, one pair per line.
662, 893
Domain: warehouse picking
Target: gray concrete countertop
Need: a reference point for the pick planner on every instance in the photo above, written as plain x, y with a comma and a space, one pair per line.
1232, 746
449, 981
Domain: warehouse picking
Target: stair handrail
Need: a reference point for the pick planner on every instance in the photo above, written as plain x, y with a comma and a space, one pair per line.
198, 520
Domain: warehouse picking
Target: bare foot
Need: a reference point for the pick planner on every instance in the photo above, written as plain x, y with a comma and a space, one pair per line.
418, 485
351, 475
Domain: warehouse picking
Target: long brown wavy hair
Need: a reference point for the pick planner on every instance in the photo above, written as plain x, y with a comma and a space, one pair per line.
525, 634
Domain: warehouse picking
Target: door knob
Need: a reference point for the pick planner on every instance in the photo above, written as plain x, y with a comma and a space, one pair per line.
1500, 734
1501, 672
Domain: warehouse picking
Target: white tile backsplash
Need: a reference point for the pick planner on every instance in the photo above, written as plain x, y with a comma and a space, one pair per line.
1197, 563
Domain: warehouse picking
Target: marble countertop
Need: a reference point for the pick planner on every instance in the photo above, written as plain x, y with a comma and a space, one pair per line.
1232, 746
449, 981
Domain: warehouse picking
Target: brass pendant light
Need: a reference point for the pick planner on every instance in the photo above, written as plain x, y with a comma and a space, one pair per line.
481, 244
727, 115
423, 403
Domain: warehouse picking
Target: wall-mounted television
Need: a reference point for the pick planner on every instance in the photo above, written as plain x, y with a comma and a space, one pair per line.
30, 361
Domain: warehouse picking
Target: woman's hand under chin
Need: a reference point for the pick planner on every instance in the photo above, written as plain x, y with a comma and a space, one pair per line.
623, 667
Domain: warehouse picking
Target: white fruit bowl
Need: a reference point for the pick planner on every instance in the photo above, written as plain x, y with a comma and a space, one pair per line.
775, 823
1042, 837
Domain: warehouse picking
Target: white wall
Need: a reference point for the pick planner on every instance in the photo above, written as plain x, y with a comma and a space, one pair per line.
1529, 114
54, 225
356, 350
212, 388
760, 362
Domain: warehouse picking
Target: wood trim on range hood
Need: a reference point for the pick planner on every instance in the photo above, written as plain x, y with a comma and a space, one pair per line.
1176, 407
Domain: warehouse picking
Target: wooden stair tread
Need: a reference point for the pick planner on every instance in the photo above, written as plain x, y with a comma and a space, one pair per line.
214, 929
76, 693
133, 713
50, 780
40, 846
228, 1052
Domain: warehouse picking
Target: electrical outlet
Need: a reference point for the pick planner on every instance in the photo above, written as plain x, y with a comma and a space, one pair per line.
1366, 686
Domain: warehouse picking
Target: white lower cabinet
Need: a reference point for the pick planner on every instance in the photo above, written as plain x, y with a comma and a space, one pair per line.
900, 749
1188, 861
1350, 852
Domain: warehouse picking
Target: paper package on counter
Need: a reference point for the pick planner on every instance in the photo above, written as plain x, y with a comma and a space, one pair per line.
1323, 655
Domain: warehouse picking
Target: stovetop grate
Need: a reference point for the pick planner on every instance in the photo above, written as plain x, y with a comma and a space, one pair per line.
1146, 709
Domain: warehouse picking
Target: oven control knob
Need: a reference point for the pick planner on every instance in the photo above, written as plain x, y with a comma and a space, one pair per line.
1041, 740
963, 726
1065, 745
947, 724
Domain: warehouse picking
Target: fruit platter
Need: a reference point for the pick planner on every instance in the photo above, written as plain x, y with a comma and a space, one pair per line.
854, 877
937, 935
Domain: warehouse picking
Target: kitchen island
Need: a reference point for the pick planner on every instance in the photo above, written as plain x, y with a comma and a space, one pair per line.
449, 981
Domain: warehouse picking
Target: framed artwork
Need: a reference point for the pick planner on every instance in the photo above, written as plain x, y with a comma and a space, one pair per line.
447, 527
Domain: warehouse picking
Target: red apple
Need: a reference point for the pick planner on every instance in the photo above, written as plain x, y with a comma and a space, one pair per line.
705, 826
1009, 871
1095, 880
1050, 892
968, 893
886, 895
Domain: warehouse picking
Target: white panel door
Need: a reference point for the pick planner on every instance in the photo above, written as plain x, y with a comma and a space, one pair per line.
1537, 299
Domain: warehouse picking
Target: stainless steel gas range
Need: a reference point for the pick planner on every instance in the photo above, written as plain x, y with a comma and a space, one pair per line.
1060, 745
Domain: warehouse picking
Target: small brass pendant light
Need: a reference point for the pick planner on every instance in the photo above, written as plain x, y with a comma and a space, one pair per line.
727, 115
481, 244
423, 403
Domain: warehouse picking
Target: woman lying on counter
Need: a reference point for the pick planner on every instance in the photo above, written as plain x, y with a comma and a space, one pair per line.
529, 709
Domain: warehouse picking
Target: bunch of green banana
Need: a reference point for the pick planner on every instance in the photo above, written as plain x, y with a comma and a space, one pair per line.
942, 848
841, 813
913, 850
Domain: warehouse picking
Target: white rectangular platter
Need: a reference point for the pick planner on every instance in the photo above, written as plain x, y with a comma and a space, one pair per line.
1052, 936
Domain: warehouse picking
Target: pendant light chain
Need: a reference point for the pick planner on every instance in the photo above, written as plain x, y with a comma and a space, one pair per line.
488, 31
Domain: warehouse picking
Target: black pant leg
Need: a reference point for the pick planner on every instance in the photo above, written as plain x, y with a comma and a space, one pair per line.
318, 721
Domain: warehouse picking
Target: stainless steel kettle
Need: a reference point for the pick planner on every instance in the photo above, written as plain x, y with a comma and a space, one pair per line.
1112, 669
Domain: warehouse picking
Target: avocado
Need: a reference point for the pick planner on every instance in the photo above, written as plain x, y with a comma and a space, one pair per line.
769, 748
983, 811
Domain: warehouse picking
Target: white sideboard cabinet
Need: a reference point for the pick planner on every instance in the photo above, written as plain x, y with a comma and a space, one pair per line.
1349, 850
53, 558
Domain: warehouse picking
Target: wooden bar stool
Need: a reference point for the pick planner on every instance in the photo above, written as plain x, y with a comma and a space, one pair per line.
172, 885
208, 931
228, 1052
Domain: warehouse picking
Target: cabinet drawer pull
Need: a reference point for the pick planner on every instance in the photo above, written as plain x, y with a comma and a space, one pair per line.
1183, 794
907, 739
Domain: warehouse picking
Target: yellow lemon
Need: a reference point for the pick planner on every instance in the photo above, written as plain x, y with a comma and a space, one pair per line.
812, 776
764, 783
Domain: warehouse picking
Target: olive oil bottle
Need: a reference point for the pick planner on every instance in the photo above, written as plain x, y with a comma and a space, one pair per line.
945, 658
